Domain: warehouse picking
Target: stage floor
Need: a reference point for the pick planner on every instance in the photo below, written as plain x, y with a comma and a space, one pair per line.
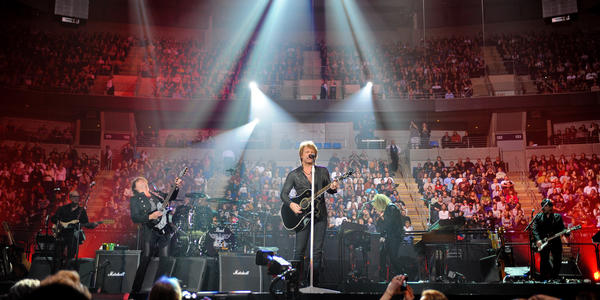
452, 290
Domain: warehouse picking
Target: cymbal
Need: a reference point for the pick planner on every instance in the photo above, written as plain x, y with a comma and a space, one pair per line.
196, 195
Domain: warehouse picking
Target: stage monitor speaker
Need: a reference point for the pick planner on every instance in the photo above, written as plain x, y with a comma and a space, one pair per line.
191, 272
569, 269
157, 267
41, 267
85, 268
115, 270
489, 269
240, 273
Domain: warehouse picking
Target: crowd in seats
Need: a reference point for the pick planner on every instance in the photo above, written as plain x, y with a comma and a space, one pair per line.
34, 183
441, 69
64, 62
42, 135
557, 62
572, 184
581, 135
479, 191
185, 69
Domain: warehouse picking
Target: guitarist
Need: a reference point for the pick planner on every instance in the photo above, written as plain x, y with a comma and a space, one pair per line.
68, 235
143, 205
300, 180
546, 224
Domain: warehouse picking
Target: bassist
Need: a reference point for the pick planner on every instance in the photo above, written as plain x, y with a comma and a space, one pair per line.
545, 224
300, 180
145, 210
67, 220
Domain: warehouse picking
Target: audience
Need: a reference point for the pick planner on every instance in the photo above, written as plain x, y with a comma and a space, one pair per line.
64, 62
480, 191
556, 62
165, 289
572, 183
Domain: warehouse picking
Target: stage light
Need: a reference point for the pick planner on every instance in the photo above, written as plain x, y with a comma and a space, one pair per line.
253, 85
256, 121
369, 84
597, 276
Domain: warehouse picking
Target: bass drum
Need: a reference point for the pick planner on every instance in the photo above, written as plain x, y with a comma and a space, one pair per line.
218, 239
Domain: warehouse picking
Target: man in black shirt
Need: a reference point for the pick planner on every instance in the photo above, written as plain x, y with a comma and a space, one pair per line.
300, 180
69, 219
546, 224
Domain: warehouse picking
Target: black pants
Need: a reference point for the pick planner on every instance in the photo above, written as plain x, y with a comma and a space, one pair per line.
67, 246
547, 270
388, 256
154, 244
303, 244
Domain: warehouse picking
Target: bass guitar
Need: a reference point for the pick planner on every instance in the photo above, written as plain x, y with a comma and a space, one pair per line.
548, 239
297, 222
160, 224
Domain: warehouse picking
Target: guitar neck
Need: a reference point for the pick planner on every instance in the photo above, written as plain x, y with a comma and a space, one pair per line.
322, 190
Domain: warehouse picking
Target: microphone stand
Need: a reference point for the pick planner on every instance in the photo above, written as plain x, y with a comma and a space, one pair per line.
311, 289
87, 198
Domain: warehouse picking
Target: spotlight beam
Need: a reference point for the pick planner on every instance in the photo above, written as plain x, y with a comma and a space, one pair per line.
361, 57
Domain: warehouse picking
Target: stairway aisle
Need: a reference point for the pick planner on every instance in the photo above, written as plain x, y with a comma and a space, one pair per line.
409, 194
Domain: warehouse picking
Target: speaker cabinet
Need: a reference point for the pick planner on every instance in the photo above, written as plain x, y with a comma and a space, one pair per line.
191, 271
85, 268
240, 273
157, 267
115, 270
41, 267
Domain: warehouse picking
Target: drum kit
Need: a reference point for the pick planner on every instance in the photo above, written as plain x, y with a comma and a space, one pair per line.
203, 231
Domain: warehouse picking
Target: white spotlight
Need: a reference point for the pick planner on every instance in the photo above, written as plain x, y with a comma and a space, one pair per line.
256, 121
253, 85
369, 84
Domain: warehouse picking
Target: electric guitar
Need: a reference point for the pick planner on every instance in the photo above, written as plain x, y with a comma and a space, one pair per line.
548, 239
18, 263
60, 226
292, 221
160, 224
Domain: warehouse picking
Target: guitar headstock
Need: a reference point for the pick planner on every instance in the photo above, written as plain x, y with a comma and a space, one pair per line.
345, 175
183, 172
575, 228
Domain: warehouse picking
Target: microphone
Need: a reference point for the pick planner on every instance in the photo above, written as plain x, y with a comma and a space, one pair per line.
312, 156
93, 183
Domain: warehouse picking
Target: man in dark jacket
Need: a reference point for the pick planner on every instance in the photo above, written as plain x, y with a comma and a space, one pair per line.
300, 180
145, 210
546, 224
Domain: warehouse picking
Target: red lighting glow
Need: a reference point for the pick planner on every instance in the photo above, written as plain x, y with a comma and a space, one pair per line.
597, 275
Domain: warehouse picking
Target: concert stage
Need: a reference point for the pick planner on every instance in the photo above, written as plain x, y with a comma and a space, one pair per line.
452, 290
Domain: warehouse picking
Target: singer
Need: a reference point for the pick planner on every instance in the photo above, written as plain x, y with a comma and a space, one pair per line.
300, 180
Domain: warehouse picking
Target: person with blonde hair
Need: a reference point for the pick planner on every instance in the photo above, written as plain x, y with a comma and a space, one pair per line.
300, 180
391, 228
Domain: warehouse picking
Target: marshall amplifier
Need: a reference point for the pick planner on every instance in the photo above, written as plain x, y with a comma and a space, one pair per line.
239, 272
115, 270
